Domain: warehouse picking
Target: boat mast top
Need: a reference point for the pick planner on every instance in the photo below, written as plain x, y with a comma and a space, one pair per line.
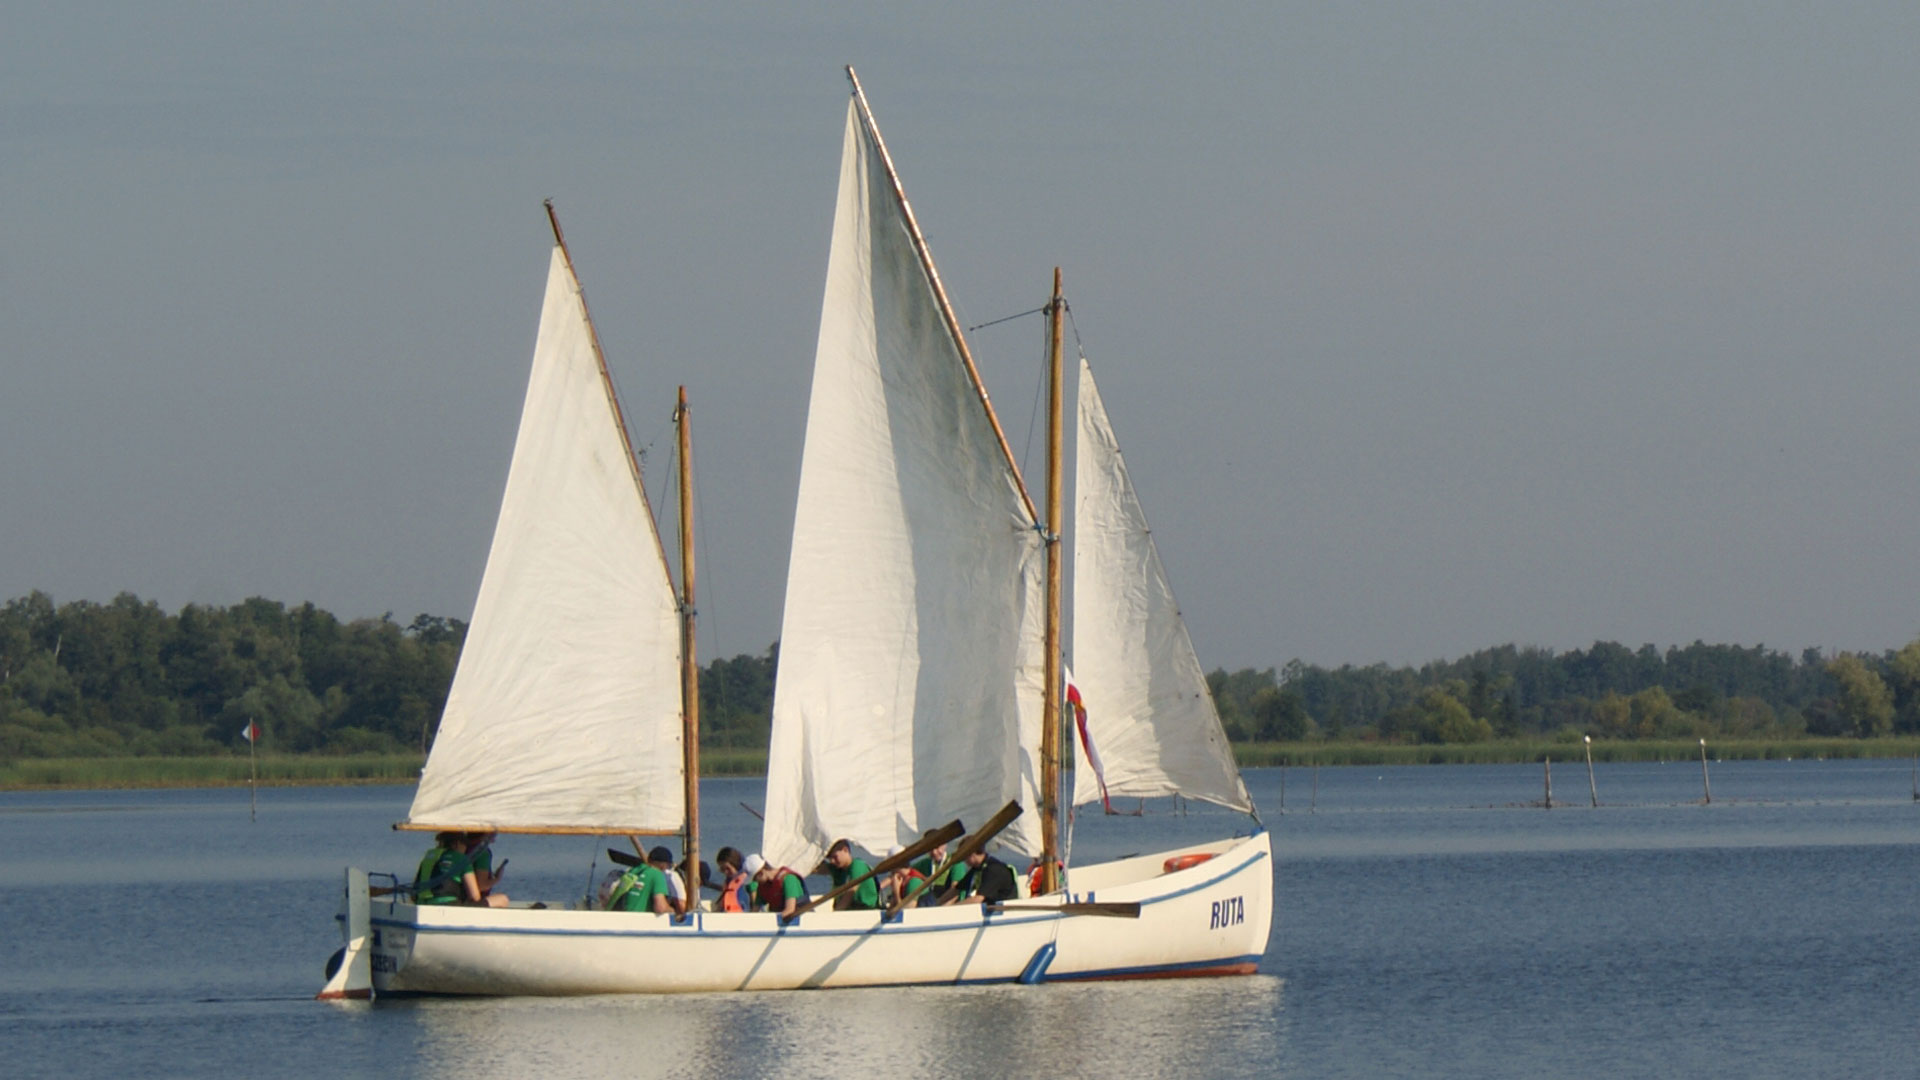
939, 290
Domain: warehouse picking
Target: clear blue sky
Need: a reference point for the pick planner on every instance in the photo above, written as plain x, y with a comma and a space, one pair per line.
1425, 327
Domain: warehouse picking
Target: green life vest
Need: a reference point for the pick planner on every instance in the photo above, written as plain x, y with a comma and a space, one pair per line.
442, 868
636, 889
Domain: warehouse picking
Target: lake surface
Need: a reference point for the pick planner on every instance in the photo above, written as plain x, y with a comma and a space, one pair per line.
1432, 921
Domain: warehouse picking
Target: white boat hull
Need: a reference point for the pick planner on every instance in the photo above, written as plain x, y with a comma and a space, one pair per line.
1210, 919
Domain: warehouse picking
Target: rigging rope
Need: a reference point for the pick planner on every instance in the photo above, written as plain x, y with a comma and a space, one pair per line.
1009, 318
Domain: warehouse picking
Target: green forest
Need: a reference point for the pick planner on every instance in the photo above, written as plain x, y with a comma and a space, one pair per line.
127, 679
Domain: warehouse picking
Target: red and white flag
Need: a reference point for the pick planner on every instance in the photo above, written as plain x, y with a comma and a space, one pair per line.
251, 732
1086, 742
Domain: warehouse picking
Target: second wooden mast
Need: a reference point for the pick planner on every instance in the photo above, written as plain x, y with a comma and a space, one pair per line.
1050, 741
689, 663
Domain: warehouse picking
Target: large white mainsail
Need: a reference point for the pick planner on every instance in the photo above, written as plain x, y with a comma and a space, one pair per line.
909, 688
565, 711
1151, 718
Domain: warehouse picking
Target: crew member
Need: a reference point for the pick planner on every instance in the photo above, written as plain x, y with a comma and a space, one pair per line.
777, 889
640, 888
844, 867
736, 885
988, 880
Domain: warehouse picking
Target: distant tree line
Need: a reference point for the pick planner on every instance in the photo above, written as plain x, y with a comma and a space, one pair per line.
125, 678
1608, 691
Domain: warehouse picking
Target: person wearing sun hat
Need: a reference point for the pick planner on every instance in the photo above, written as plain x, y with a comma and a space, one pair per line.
777, 889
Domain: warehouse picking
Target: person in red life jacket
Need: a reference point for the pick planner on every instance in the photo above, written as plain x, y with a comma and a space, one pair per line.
778, 889
736, 885
901, 883
1035, 886
988, 881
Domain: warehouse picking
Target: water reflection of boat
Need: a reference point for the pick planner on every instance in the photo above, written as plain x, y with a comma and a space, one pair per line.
919, 660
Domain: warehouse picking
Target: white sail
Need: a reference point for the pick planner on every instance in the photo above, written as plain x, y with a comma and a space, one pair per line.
1149, 714
565, 710
909, 676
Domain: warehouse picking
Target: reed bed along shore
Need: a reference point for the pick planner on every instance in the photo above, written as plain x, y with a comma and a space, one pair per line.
1524, 751
276, 770
283, 770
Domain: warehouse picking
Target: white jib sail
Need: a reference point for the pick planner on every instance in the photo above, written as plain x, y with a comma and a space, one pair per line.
565, 709
909, 689
1148, 711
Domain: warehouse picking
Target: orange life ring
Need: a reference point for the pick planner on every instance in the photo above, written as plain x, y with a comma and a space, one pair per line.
1184, 862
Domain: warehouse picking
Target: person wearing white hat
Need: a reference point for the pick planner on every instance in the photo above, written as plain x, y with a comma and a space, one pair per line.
778, 889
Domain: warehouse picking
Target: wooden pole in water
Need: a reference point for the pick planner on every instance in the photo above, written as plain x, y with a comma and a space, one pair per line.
1549, 773
1592, 791
1283, 785
1706, 785
253, 772
1314, 803
1916, 777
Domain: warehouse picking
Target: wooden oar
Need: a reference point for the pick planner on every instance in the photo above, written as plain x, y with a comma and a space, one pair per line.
888, 865
1114, 910
971, 844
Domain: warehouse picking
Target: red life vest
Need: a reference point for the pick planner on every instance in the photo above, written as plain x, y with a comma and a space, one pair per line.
1033, 875
773, 893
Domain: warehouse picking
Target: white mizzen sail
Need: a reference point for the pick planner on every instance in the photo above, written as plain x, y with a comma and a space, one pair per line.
565, 710
1152, 721
909, 688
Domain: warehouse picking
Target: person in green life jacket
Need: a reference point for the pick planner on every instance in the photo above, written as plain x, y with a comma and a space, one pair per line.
640, 888
776, 888
926, 887
988, 880
843, 867
445, 876
661, 859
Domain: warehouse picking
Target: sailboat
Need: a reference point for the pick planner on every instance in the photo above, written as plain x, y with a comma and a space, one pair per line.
920, 681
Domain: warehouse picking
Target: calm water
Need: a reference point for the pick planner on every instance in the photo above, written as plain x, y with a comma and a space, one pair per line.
1430, 923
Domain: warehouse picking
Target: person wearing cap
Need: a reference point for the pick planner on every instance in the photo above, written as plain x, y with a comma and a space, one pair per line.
641, 888
777, 889
662, 860
988, 880
843, 867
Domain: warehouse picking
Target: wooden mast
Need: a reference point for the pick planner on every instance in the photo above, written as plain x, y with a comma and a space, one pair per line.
1050, 729
689, 666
